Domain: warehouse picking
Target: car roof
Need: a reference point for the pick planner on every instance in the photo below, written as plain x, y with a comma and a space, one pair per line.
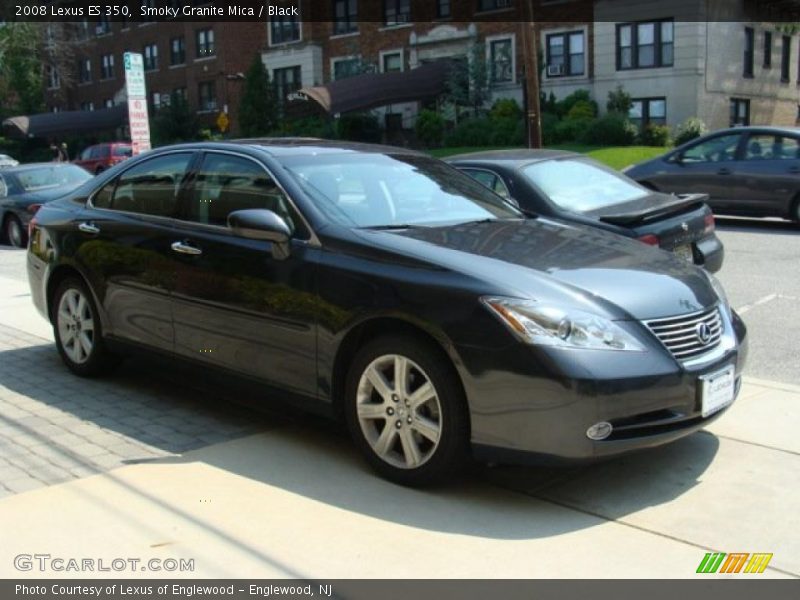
756, 128
515, 157
28, 166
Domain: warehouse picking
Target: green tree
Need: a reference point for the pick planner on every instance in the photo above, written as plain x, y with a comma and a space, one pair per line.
21, 74
468, 83
175, 122
619, 101
258, 110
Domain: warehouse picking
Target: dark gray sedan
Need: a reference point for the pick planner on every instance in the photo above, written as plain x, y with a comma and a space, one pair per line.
23, 189
577, 189
753, 171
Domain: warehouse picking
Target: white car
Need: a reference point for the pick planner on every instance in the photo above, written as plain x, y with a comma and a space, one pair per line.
7, 161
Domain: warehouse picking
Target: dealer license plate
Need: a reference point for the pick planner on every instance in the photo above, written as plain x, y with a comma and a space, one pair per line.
717, 390
684, 252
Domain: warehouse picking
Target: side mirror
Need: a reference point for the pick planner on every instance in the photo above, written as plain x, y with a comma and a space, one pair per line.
262, 224
676, 158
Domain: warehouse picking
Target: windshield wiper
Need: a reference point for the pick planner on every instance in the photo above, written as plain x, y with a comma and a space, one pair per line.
391, 226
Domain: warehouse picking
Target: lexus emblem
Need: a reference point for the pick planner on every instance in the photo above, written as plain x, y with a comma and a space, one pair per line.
685, 226
703, 333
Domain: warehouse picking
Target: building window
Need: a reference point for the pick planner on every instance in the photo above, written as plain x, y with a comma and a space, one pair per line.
396, 12
87, 105
485, 5
107, 66
767, 49
177, 51
501, 61
287, 80
53, 79
644, 45
345, 16
786, 54
740, 112
205, 43
179, 94
84, 70
155, 102
392, 62
749, 55
648, 111
103, 26
565, 54
443, 9
345, 67
150, 53
207, 92
150, 5
284, 30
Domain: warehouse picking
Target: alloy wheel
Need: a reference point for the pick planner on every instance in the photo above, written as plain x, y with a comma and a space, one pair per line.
399, 411
75, 324
14, 233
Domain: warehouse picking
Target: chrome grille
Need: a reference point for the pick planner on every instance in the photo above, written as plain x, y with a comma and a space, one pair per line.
680, 334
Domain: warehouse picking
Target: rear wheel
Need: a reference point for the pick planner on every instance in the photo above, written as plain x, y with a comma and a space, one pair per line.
78, 330
406, 411
15, 233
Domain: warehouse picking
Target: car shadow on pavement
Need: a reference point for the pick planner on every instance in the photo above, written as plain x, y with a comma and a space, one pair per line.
171, 412
753, 225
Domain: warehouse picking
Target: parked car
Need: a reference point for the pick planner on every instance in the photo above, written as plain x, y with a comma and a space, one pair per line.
753, 171
7, 161
23, 189
575, 188
100, 157
385, 287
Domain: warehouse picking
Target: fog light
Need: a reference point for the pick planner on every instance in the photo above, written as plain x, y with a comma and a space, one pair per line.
599, 431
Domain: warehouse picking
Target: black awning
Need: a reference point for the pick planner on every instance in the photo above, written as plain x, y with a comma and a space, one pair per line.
68, 122
371, 90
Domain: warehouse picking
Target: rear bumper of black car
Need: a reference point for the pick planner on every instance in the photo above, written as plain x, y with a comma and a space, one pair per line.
649, 400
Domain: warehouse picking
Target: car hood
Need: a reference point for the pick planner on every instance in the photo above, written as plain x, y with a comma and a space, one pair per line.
546, 259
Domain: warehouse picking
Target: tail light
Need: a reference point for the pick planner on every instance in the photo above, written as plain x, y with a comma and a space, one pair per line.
650, 239
32, 208
709, 222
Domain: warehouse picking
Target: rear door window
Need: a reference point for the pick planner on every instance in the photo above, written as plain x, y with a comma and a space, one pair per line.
151, 187
490, 180
771, 147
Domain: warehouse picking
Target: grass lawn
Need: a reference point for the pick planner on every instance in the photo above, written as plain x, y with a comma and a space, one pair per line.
616, 157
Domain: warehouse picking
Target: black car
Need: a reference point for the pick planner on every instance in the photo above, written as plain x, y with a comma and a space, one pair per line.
575, 188
24, 188
749, 171
385, 287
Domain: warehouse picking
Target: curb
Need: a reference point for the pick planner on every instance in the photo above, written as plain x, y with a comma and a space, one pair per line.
775, 385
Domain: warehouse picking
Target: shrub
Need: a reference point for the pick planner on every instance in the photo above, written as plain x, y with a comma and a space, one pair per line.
571, 130
688, 130
564, 106
582, 109
609, 130
508, 131
654, 135
505, 108
430, 128
359, 127
471, 132
549, 129
315, 126
619, 101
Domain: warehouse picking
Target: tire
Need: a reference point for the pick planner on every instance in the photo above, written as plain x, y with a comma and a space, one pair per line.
415, 437
78, 331
15, 233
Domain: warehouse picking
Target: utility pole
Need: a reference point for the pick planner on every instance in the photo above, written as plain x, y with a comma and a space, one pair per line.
530, 49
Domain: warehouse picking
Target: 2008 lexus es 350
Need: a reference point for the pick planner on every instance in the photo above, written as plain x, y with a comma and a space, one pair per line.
384, 287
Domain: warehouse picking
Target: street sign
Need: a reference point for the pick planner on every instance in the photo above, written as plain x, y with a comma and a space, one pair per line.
137, 102
223, 121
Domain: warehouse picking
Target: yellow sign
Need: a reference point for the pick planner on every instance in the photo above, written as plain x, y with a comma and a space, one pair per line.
223, 122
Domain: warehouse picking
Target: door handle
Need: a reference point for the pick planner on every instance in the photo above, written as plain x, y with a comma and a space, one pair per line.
724, 171
182, 248
88, 227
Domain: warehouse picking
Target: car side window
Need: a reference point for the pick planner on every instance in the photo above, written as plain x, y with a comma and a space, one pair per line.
87, 154
151, 187
772, 147
225, 183
3, 187
719, 149
490, 180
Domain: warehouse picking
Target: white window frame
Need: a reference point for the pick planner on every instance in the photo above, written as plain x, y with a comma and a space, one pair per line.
338, 59
400, 51
488, 50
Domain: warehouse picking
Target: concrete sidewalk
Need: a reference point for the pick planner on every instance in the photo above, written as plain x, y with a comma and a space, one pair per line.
294, 500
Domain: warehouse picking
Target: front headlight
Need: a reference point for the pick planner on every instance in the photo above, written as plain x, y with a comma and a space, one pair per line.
720, 292
545, 325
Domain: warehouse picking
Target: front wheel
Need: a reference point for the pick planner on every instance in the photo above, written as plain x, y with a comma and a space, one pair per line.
15, 233
406, 411
78, 331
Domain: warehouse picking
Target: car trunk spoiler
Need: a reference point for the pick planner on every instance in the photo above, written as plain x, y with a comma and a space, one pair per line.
677, 203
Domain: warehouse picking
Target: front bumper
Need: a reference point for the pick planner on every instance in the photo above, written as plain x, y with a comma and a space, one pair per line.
536, 408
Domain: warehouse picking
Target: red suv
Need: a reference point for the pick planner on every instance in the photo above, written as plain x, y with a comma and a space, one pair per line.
100, 157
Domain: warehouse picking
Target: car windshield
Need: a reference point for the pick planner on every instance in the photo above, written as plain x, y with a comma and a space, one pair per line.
122, 151
581, 185
379, 190
42, 178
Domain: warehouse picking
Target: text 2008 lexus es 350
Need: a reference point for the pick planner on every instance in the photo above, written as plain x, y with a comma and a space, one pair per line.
385, 287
